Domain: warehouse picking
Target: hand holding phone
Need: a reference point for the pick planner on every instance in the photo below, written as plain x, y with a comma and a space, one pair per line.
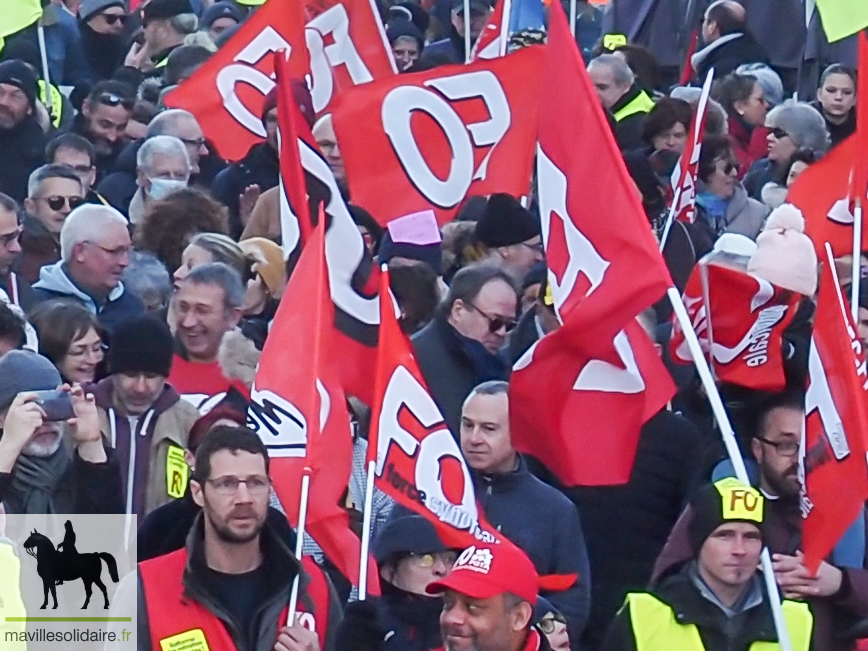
56, 404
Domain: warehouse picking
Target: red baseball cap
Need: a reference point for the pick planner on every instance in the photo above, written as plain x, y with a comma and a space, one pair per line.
484, 571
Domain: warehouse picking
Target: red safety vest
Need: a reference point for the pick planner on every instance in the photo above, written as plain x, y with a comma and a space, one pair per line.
179, 622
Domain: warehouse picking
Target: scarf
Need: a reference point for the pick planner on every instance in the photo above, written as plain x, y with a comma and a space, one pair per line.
715, 209
104, 52
486, 366
36, 484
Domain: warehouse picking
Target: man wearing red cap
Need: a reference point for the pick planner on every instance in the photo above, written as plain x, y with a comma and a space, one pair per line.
488, 601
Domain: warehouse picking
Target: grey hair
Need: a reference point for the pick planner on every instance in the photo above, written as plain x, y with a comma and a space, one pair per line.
147, 275
161, 146
87, 223
166, 122
804, 124
717, 118
50, 171
621, 73
221, 275
184, 23
489, 388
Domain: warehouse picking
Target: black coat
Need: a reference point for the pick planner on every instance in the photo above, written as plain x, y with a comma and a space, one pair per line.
730, 55
22, 150
447, 369
260, 166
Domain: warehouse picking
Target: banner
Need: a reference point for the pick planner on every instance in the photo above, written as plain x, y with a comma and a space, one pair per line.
339, 43
15, 15
842, 18
741, 318
441, 135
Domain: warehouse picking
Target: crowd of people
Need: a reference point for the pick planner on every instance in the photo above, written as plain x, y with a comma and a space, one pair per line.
141, 273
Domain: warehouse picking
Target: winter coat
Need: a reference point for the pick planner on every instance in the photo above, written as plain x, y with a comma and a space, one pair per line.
545, 525
726, 54
448, 369
744, 215
761, 172
452, 46
164, 426
260, 166
103, 53
39, 248
63, 48
22, 150
629, 113
748, 143
54, 282
781, 28
838, 132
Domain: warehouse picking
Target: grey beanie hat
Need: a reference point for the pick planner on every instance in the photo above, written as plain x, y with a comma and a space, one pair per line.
803, 123
768, 79
88, 8
24, 370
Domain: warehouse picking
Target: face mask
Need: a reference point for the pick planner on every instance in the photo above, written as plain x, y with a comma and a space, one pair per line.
160, 188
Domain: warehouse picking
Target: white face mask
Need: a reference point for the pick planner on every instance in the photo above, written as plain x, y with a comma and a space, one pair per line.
160, 188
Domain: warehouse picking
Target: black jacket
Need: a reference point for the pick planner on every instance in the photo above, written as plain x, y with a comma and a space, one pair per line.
448, 368
22, 150
838, 132
628, 130
452, 46
718, 633
260, 166
728, 56
26, 298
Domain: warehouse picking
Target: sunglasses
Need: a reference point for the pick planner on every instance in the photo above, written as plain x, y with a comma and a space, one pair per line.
496, 323
110, 99
111, 19
729, 168
547, 623
57, 202
779, 133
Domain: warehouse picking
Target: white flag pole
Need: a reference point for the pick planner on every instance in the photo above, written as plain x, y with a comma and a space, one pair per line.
573, 18
732, 450
856, 271
466, 21
40, 35
299, 541
366, 530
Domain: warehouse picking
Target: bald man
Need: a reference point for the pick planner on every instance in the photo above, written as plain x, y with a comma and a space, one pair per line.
727, 41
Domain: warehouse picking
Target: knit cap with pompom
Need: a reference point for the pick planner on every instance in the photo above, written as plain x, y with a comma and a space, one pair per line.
785, 256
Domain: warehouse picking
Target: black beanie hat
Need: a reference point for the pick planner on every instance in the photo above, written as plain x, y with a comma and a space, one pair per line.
17, 73
408, 534
726, 500
505, 222
430, 254
141, 345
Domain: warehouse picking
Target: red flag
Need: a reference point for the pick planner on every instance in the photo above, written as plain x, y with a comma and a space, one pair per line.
859, 177
441, 135
836, 406
298, 408
490, 41
684, 175
743, 320
553, 423
227, 92
604, 264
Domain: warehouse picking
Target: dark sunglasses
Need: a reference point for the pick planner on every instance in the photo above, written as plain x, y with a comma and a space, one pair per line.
547, 623
495, 323
57, 202
779, 133
110, 99
729, 168
111, 19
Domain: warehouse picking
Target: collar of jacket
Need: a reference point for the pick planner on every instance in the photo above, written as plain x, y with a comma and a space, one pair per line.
35, 237
502, 480
739, 130
690, 607
418, 611
634, 93
103, 393
700, 56
282, 566
56, 278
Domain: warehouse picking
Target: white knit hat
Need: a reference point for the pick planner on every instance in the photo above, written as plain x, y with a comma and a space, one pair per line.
785, 256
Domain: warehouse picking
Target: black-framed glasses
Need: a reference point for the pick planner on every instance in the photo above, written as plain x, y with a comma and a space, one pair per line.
198, 142
256, 485
495, 323
547, 623
56, 202
783, 448
428, 560
111, 19
729, 166
6, 240
536, 247
779, 133
112, 99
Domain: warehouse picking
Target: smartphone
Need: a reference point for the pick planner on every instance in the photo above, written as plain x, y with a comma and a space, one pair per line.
57, 405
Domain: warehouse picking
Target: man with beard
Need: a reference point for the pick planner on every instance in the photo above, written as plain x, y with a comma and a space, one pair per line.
103, 121
38, 472
101, 26
22, 141
838, 594
229, 588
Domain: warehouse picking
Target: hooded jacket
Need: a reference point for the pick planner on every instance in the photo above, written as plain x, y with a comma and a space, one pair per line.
162, 430
38, 249
54, 282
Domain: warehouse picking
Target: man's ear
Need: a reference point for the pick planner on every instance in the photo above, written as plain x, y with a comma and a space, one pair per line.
521, 616
757, 448
197, 493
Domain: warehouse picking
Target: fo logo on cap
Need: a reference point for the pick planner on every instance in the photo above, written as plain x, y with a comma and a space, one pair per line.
478, 560
738, 501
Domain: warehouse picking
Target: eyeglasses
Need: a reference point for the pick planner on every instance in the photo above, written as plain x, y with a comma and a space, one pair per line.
226, 486
111, 19
97, 350
729, 167
82, 169
198, 142
495, 323
783, 448
111, 99
537, 248
56, 202
547, 623
116, 252
6, 240
779, 133
428, 560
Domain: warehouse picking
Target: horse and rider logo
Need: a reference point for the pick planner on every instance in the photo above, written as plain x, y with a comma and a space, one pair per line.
56, 567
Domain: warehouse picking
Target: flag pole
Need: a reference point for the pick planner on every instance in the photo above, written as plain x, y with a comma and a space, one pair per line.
299, 542
856, 271
40, 34
732, 450
467, 31
573, 18
504, 28
670, 217
366, 530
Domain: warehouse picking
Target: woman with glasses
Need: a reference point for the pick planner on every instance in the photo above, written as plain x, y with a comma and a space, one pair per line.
410, 555
722, 202
551, 623
792, 126
71, 337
